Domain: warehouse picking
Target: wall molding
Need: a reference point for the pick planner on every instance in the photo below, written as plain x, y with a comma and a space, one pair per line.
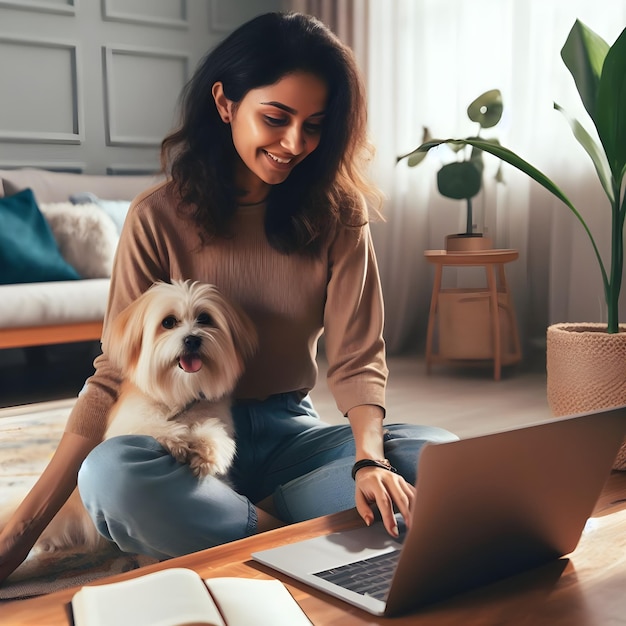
133, 170
114, 137
52, 166
74, 137
112, 15
63, 106
62, 8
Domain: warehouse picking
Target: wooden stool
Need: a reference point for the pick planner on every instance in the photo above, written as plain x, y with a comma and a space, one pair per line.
501, 342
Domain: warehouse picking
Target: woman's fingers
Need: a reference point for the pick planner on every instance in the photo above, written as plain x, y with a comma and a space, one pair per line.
364, 507
386, 490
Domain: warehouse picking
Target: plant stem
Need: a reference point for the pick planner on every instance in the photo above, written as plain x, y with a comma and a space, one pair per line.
617, 258
469, 224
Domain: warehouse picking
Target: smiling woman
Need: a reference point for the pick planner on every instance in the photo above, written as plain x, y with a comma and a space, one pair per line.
274, 129
306, 88
265, 199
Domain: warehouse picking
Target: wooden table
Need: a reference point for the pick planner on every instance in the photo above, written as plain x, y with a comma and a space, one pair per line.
586, 589
497, 296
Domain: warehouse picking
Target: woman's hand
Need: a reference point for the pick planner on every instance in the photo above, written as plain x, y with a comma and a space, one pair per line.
380, 487
14, 548
43, 501
376, 486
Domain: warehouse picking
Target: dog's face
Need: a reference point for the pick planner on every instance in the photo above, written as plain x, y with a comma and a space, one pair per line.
182, 341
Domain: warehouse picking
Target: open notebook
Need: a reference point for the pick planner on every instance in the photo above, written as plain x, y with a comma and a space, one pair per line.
180, 597
486, 508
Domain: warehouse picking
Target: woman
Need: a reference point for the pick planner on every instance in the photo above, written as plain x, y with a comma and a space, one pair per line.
265, 198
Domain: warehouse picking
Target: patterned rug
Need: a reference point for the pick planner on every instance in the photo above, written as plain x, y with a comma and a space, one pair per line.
28, 438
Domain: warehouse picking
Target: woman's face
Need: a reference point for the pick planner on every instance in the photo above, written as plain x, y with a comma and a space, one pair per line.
274, 128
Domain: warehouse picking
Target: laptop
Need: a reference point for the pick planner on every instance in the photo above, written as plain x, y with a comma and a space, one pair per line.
486, 508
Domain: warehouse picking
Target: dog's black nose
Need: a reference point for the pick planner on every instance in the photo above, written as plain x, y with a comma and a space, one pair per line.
193, 343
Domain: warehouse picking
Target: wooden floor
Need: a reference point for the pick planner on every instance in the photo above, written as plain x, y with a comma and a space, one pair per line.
466, 401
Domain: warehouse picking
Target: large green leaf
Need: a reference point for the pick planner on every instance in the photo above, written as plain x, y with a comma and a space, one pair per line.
583, 54
486, 109
594, 150
415, 157
611, 107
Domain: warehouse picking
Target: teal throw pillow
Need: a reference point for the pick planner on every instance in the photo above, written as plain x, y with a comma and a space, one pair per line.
28, 250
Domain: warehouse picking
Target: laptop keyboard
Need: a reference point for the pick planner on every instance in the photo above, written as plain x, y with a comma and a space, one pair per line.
369, 577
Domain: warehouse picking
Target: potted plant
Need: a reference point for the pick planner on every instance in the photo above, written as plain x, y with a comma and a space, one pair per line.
577, 380
462, 179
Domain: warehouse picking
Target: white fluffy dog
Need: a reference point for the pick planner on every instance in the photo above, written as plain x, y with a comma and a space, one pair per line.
181, 348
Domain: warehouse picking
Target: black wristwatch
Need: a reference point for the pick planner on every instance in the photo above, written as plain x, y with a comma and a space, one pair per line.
383, 464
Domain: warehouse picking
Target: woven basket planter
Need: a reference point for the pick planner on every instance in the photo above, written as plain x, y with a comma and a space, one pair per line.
586, 369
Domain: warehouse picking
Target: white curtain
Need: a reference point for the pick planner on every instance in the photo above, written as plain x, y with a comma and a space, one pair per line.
424, 61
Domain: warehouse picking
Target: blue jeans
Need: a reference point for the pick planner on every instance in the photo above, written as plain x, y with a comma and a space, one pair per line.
148, 503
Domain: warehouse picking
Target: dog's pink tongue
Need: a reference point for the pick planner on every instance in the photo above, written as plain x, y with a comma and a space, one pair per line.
190, 363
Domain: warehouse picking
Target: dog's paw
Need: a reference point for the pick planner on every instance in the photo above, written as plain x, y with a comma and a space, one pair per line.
207, 457
178, 447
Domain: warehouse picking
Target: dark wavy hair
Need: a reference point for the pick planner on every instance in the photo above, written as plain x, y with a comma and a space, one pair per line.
328, 188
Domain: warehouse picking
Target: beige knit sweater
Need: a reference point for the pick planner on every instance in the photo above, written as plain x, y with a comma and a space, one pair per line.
290, 298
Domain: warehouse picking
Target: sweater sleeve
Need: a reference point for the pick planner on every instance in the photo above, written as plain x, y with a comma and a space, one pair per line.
137, 265
353, 322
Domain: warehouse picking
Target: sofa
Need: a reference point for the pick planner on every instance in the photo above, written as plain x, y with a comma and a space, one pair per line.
58, 234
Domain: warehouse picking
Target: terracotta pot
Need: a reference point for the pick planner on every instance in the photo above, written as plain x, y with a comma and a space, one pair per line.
586, 368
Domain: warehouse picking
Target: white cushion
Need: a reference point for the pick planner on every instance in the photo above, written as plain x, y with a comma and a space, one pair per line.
59, 302
87, 237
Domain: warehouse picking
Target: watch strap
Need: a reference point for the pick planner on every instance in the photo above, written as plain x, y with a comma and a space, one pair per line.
383, 464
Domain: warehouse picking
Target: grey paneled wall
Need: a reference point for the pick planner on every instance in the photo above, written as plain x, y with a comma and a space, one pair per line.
92, 85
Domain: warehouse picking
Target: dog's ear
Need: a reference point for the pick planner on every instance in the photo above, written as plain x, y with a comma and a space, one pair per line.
126, 336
